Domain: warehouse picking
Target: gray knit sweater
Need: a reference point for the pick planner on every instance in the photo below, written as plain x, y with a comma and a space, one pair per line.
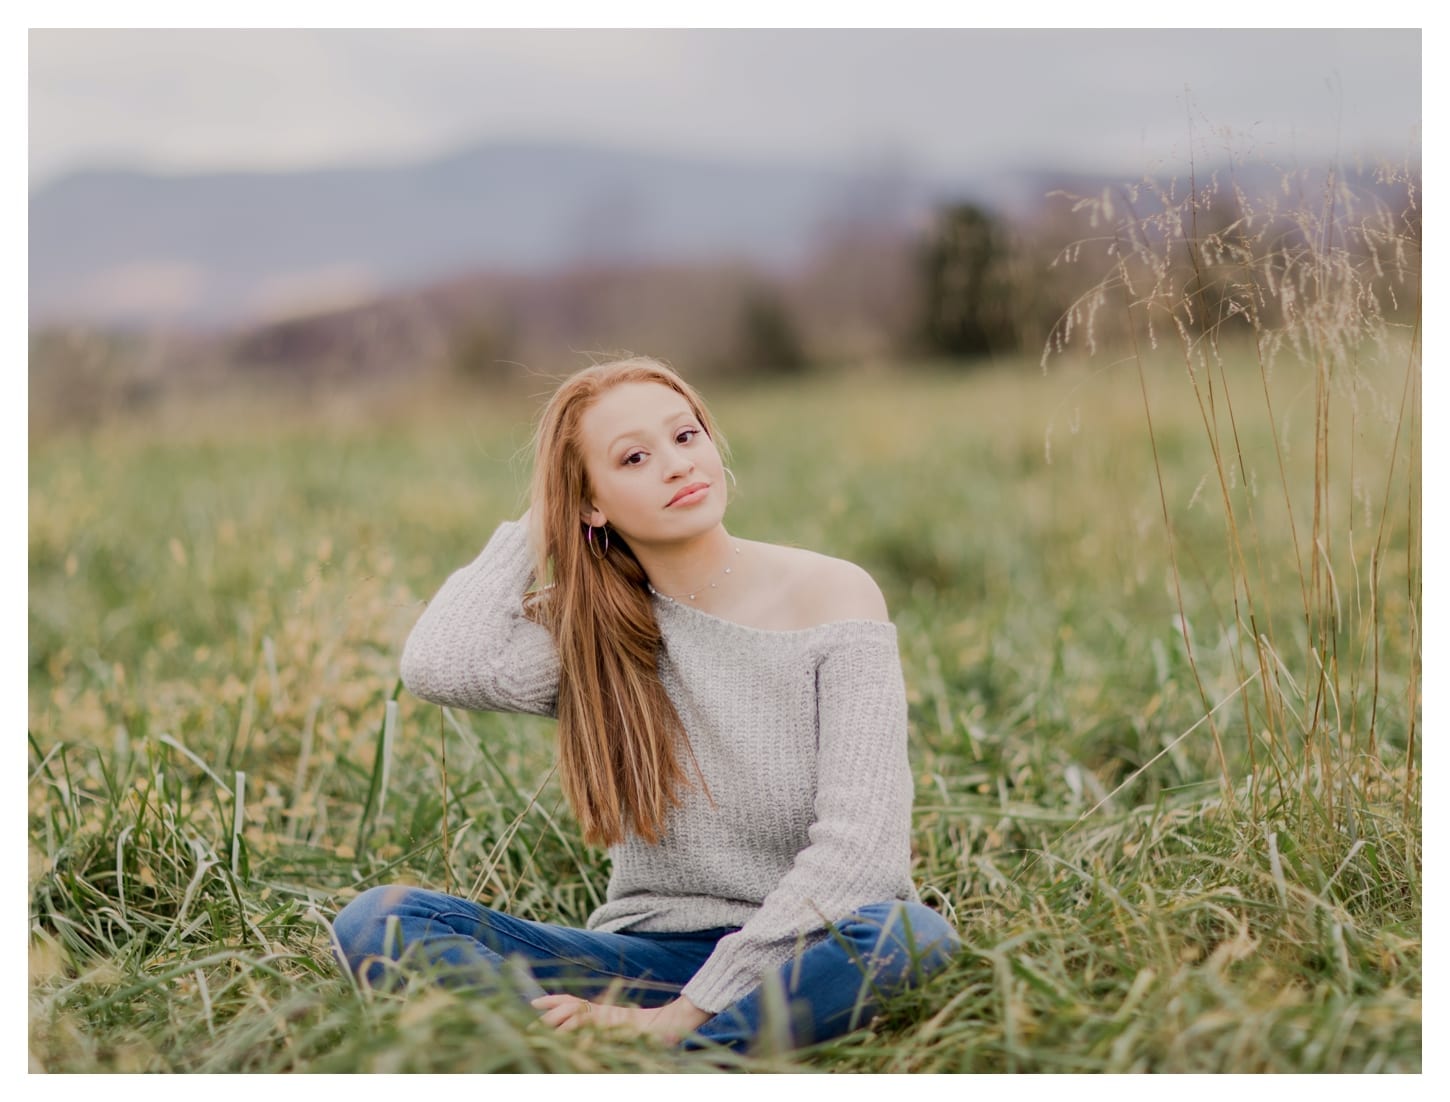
801, 736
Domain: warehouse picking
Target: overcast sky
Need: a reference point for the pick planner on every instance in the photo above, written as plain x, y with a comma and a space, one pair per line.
949, 100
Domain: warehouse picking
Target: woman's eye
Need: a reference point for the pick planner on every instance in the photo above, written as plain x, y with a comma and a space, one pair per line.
691, 433
629, 460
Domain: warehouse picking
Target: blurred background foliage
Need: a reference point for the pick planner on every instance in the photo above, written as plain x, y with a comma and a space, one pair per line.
963, 282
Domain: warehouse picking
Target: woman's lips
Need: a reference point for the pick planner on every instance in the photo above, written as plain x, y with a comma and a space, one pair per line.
690, 494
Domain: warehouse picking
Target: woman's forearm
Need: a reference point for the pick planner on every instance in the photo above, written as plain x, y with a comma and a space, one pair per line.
473, 647
682, 1017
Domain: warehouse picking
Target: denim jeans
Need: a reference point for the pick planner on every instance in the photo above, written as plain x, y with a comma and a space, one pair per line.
832, 987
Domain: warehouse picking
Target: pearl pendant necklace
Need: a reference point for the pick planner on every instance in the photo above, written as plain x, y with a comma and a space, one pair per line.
713, 585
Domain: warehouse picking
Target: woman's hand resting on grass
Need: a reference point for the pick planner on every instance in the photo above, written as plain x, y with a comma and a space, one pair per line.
667, 1023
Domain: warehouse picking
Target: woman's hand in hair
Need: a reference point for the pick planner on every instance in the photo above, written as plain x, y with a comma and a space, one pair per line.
667, 1023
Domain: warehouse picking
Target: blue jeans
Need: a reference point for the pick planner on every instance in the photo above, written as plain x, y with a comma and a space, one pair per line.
832, 987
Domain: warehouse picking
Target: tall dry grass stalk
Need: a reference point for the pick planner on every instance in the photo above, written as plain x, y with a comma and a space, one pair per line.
1316, 285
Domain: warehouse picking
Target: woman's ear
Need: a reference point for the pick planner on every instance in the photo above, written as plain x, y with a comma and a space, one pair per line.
592, 516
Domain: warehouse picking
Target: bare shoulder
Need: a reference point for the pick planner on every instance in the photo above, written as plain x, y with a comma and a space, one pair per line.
848, 592
828, 589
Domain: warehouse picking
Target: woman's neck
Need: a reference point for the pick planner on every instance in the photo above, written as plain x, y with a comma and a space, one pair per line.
690, 566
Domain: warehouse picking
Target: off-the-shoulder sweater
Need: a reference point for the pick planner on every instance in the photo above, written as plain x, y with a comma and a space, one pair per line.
800, 736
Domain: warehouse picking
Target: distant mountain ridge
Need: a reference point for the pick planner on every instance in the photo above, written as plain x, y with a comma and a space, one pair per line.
221, 250
130, 247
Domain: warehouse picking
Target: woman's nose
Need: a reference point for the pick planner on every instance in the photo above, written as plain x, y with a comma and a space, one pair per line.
680, 463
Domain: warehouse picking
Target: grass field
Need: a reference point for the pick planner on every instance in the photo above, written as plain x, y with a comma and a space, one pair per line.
216, 614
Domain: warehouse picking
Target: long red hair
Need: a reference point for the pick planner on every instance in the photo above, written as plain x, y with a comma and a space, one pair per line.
620, 738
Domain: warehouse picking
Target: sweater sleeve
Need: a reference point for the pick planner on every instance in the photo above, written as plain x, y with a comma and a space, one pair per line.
474, 648
859, 848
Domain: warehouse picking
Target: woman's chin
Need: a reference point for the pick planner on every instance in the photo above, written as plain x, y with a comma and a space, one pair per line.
684, 526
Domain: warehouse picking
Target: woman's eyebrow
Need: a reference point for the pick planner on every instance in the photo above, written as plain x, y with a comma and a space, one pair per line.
677, 415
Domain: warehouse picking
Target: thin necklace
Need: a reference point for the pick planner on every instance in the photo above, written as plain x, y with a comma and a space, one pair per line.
713, 585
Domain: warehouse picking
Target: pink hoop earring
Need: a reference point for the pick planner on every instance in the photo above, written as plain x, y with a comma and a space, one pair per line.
600, 555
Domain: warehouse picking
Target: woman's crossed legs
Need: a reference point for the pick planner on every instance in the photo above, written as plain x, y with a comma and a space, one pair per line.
832, 987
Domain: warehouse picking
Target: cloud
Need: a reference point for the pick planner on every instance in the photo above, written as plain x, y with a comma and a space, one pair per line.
144, 289
956, 99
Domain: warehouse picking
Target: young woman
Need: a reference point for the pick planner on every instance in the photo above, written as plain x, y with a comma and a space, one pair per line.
732, 725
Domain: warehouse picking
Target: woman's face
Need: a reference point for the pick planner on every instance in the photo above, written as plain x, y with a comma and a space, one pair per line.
656, 476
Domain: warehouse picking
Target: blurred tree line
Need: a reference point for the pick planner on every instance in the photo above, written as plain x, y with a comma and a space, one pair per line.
969, 286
